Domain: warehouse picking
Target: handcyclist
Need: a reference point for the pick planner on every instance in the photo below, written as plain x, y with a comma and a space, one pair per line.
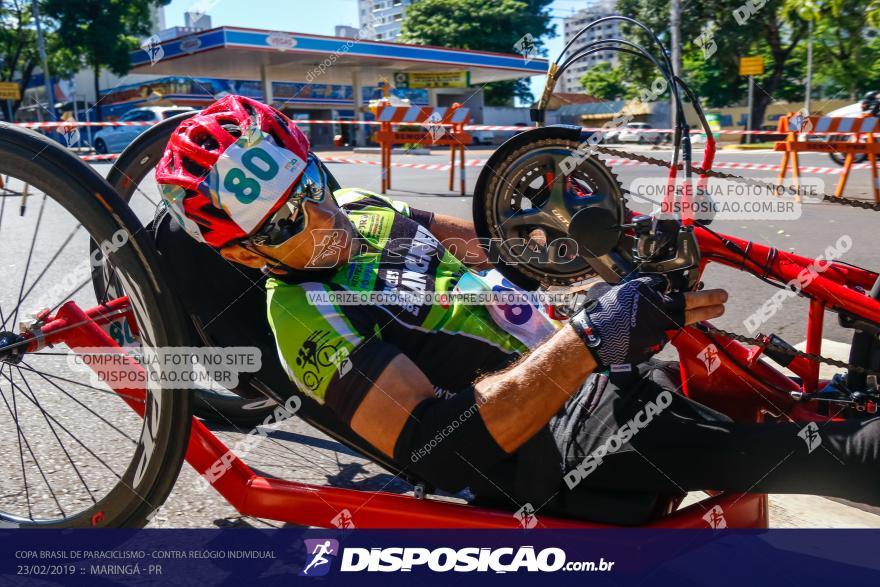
506, 401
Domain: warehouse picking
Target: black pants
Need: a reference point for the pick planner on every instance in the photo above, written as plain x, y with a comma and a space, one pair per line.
678, 445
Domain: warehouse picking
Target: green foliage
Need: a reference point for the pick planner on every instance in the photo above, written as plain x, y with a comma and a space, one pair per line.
18, 46
484, 26
103, 32
844, 59
607, 83
844, 50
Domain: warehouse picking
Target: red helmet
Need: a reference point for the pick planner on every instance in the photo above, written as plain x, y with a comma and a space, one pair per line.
230, 167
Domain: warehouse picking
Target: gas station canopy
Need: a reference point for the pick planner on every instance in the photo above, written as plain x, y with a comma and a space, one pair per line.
239, 53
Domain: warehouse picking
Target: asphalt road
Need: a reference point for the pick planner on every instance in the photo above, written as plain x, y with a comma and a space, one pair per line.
293, 450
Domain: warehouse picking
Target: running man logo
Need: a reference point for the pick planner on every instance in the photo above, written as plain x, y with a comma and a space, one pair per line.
710, 358
329, 247
810, 434
715, 518
526, 47
319, 553
706, 42
526, 516
343, 520
153, 47
434, 124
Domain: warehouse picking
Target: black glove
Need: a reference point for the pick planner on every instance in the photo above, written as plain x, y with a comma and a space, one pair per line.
627, 323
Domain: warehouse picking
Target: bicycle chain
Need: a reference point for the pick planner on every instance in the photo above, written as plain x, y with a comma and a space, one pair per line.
765, 344
841, 201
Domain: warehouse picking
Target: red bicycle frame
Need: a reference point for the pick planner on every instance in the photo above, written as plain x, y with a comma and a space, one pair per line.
742, 386
733, 380
312, 505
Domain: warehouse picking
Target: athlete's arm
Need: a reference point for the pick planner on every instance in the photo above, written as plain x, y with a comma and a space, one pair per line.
514, 404
460, 239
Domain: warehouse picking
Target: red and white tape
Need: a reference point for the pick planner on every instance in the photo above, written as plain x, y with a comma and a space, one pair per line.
612, 162
469, 127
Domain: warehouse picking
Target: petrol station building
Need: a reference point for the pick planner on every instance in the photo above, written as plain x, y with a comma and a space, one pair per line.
311, 77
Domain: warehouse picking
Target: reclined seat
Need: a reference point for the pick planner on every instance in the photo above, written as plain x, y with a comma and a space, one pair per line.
227, 305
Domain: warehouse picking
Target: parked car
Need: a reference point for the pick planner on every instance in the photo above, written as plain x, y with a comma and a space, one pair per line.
483, 137
113, 139
633, 133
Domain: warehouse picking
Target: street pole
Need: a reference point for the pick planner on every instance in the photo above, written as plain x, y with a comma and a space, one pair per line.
44, 61
809, 88
675, 41
751, 105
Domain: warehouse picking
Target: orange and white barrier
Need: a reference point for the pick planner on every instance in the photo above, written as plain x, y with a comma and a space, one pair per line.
439, 126
860, 134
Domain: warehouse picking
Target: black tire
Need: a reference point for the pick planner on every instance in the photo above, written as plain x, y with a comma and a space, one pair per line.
100, 147
133, 165
159, 452
498, 175
840, 158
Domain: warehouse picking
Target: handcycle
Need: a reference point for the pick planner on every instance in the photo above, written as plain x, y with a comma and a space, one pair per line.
126, 298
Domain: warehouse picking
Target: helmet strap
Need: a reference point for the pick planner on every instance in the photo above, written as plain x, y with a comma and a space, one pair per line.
270, 260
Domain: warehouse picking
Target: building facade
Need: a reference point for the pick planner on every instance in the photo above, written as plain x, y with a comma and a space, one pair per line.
380, 20
570, 81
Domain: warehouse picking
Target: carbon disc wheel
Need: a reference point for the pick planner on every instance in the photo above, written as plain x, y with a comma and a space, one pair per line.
526, 196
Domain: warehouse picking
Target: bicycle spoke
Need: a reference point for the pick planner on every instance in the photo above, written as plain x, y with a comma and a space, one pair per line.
52, 428
46, 268
80, 442
46, 376
13, 411
80, 383
2, 210
103, 298
68, 296
27, 494
27, 264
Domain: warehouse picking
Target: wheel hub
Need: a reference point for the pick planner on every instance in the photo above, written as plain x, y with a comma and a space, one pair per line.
12, 347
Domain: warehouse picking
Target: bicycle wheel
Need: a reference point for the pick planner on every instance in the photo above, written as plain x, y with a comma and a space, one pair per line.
78, 455
526, 196
840, 158
134, 166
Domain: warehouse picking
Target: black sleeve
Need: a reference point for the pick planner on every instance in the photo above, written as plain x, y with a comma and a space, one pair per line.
423, 217
356, 375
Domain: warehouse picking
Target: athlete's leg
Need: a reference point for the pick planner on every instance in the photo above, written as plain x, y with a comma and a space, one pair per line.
679, 445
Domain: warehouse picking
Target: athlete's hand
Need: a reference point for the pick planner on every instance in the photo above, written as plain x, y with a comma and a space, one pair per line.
627, 323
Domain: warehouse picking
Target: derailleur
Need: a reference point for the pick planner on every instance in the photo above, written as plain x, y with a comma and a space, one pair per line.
837, 392
659, 247
667, 248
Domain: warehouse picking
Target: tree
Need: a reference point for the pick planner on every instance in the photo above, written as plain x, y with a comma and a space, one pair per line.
737, 29
606, 82
18, 47
498, 26
103, 31
842, 47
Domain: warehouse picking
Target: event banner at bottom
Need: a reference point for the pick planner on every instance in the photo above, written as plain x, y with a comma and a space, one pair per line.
296, 556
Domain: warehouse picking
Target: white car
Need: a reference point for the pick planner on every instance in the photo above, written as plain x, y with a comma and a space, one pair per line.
113, 139
851, 111
634, 133
483, 137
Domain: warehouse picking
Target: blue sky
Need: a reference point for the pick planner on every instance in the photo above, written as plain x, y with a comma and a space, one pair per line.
317, 17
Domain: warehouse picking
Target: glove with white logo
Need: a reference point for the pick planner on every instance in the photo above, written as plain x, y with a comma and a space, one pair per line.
627, 323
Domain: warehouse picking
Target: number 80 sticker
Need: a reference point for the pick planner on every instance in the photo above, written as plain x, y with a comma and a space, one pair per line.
250, 177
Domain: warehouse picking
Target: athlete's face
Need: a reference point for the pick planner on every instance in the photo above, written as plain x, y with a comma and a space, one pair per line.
322, 241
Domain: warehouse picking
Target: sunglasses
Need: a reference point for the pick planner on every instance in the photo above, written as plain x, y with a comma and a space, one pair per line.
289, 220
